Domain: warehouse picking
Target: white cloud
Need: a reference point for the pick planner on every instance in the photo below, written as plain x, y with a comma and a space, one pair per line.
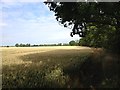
3, 24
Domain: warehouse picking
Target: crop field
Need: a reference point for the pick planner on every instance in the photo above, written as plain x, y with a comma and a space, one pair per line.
11, 55
51, 67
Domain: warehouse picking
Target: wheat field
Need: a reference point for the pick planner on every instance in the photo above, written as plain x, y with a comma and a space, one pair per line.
10, 56
36, 66
58, 67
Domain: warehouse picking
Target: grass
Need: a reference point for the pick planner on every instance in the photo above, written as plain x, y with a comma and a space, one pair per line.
58, 67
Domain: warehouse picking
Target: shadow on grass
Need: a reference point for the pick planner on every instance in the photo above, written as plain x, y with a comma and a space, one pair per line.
69, 70
33, 76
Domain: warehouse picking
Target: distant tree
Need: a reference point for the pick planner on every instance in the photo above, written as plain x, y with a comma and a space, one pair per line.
59, 44
7, 46
65, 44
35, 45
23, 45
27, 45
72, 43
17, 45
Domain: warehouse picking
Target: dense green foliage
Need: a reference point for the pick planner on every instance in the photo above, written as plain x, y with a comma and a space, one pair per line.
102, 16
99, 37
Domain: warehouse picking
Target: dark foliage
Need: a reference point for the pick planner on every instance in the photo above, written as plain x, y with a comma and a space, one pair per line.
83, 15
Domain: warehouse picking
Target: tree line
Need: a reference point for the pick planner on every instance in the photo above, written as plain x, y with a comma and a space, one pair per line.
71, 43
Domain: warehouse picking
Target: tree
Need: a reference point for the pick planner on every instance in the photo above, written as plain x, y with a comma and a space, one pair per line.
59, 44
98, 36
72, 43
85, 14
17, 45
27, 45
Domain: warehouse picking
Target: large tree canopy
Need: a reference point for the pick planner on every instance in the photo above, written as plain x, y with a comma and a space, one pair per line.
81, 16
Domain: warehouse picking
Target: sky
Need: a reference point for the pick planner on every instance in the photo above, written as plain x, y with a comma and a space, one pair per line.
30, 21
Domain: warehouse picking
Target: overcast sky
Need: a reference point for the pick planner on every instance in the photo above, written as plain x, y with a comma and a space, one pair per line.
30, 21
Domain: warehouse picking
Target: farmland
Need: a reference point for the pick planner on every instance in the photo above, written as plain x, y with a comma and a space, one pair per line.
54, 67
10, 55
